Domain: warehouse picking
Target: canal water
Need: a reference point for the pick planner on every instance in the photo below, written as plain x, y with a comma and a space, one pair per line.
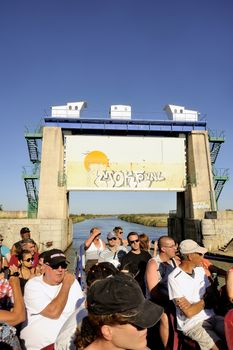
81, 231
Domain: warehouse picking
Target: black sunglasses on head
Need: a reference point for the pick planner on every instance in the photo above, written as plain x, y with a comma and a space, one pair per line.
63, 265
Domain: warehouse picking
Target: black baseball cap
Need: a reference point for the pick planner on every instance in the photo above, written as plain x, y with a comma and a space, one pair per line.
122, 294
53, 257
24, 230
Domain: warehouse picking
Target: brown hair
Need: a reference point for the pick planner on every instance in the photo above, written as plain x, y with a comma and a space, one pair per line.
144, 242
91, 326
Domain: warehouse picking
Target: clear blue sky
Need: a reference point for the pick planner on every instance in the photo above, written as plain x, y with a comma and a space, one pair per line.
146, 53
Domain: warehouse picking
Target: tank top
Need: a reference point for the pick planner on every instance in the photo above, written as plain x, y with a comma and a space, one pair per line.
164, 269
92, 253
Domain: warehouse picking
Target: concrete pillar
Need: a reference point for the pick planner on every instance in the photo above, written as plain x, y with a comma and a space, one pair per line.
199, 195
53, 198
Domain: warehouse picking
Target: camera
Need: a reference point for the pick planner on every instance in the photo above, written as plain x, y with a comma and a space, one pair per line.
8, 274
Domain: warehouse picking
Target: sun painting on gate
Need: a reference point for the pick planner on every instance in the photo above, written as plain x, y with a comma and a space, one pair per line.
95, 158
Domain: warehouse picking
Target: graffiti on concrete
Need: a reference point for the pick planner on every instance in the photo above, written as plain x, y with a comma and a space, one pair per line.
127, 179
201, 205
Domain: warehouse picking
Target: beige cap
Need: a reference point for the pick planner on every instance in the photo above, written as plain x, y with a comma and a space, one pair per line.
189, 246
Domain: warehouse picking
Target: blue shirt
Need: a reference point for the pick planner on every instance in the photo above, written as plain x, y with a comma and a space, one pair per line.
4, 250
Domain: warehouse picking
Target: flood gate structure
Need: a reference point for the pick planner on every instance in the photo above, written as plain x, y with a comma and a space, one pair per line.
131, 155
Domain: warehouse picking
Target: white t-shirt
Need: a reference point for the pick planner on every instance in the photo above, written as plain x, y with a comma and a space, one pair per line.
181, 284
41, 331
66, 335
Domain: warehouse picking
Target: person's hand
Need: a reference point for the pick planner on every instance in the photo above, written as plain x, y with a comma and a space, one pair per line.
183, 303
14, 275
13, 269
68, 278
96, 232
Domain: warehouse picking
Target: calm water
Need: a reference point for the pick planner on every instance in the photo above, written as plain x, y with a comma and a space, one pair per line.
82, 231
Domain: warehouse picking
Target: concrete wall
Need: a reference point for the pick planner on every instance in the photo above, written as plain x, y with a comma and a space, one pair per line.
13, 214
217, 232
199, 195
212, 233
57, 231
53, 202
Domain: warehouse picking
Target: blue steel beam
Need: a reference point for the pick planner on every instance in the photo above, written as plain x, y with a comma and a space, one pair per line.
142, 126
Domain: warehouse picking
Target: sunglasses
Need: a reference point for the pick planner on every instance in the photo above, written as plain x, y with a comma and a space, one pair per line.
1, 239
113, 238
135, 241
63, 265
120, 232
29, 259
170, 246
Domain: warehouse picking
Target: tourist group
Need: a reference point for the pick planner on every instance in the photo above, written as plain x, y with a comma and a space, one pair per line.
126, 294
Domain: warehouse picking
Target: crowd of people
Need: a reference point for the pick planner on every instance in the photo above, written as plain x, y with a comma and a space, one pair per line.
137, 295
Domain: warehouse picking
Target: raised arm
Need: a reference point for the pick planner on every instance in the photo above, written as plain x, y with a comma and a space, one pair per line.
54, 309
17, 314
91, 238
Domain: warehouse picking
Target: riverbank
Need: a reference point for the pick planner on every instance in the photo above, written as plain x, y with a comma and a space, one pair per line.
79, 218
154, 220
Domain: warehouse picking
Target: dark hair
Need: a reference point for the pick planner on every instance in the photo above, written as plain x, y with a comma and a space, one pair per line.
132, 234
100, 271
21, 254
161, 241
24, 230
42, 255
117, 228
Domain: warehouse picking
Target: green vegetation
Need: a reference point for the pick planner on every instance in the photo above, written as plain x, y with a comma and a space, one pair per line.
156, 220
78, 218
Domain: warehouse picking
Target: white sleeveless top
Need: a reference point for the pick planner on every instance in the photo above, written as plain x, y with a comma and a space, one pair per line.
93, 252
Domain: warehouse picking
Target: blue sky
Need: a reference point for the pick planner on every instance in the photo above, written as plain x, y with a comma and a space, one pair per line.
145, 53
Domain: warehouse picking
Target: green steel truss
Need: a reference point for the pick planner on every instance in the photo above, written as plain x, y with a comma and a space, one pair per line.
220, 176
31, 175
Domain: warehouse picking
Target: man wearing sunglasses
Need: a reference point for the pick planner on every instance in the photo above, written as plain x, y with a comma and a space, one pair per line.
136, 260
114, 252
49, 299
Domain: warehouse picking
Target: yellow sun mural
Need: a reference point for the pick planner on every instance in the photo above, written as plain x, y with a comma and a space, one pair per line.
95, 157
